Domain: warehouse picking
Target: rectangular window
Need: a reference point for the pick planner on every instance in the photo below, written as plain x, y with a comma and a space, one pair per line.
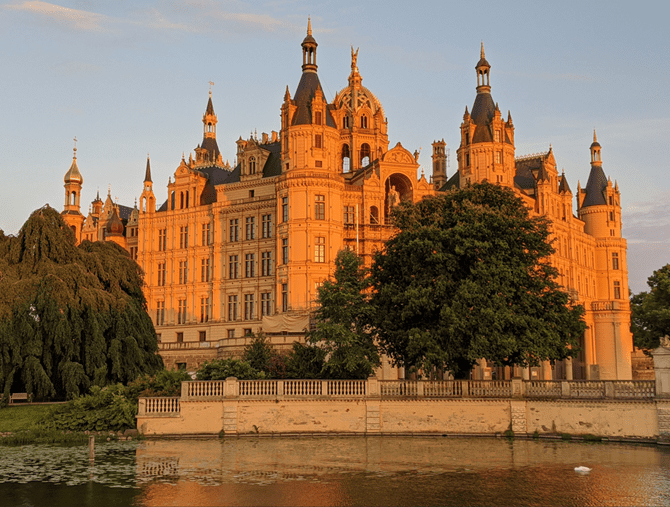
183, 236
249, 309
498, 157
204, 309
181, 312
250, 228
180, 339
231, 333
183, 272
317, 117
317, 141
615, 260
349, 215
266, 303
161, 274
496, 136
234, 230
233, 267
320, 207
617, 290
320, 249
267, 226
284, 251
284, 209
203, 336
205, 235
162, 240
204, 269
249, 265
232, 308
284, 297
160, 313
612, 216
266, 263
133, 253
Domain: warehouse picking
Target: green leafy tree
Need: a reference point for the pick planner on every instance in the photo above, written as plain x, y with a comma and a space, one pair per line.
650, 320
259, 353
343, 322
70, 316
305, 361
221, 369
468, 277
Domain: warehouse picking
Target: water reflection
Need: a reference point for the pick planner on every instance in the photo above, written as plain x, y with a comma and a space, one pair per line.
400, 471
335, 471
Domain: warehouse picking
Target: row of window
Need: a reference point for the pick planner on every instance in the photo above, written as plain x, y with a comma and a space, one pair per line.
235, 312
206, 236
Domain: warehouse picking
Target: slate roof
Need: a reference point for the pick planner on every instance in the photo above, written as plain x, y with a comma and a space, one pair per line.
210, 144
563, 185
482, 113
595, 187
524, 178
453, 182
309, 82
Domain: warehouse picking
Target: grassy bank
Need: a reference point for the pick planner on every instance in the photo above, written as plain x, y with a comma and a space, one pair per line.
21, 417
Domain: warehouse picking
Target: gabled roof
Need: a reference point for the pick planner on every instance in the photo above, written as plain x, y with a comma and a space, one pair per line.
453, 182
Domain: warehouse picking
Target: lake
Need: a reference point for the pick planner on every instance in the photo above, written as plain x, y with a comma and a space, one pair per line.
336, 471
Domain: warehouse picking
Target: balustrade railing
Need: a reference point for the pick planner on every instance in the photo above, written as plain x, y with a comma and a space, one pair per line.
372, 388
159, 406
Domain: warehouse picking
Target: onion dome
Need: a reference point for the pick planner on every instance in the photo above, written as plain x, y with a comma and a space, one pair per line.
73, 175
115, 225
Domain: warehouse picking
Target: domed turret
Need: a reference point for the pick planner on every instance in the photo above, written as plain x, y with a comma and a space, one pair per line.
115, 225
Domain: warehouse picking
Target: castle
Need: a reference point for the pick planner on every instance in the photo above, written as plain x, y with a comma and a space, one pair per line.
235, 250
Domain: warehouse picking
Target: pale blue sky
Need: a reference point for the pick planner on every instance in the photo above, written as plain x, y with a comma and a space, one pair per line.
130, 78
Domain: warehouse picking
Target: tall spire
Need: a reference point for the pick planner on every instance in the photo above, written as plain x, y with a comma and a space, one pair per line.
483, 69
147, 174
309, 50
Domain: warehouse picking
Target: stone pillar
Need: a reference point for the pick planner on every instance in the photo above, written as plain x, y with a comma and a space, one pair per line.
525, 373
661, 357
546, 370
372, 387
568, 368
517, 388
518, 417
231, 388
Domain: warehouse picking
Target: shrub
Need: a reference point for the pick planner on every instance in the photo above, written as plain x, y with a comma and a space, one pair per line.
221, 369
164, 383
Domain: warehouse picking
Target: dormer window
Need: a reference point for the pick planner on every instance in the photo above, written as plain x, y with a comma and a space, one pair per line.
345, 122
496, 136
317, 118
252, 165
364, 122
467, 139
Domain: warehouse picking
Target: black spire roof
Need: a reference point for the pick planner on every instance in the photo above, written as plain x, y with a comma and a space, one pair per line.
595, 187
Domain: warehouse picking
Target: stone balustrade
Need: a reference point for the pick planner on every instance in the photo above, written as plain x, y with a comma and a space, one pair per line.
388, 389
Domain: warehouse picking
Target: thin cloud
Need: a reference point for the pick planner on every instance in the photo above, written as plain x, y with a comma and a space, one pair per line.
63, 16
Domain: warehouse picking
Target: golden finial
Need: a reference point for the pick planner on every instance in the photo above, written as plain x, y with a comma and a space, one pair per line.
211, 83
75, 146
482, 52
595, 139
309, 25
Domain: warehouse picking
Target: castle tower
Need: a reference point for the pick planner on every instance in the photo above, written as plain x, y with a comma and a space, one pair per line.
439, 164
486, 152
208, 152
599, 207
361, 121
72, 211
147, 199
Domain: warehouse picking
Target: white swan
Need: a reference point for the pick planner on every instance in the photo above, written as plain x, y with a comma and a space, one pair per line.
582, 470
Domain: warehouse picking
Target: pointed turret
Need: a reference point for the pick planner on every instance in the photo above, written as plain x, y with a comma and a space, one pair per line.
596, 185
309, 50
147, 173
73, 182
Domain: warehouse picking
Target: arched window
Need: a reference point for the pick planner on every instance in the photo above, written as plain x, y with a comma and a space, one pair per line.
364, 122
252, 165
74, 198
365, 154
187, 198
181, 203
346, 158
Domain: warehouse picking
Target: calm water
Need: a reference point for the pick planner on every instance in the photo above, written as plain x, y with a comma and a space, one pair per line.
336, 471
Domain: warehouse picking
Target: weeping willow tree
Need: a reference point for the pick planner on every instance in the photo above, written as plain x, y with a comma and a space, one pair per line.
70, 316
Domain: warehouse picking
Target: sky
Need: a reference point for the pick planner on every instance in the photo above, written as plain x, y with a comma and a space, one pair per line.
130, 78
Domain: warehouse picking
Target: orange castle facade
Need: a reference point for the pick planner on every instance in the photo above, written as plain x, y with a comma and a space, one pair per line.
236, 250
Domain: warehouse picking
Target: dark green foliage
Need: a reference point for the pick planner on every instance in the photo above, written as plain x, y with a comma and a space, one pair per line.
259, 353
343, 322
105, 408
221, 369
69, 316
164, 383
305, 361
468, 277
650, 320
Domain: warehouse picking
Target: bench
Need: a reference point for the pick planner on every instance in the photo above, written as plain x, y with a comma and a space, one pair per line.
19, 397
